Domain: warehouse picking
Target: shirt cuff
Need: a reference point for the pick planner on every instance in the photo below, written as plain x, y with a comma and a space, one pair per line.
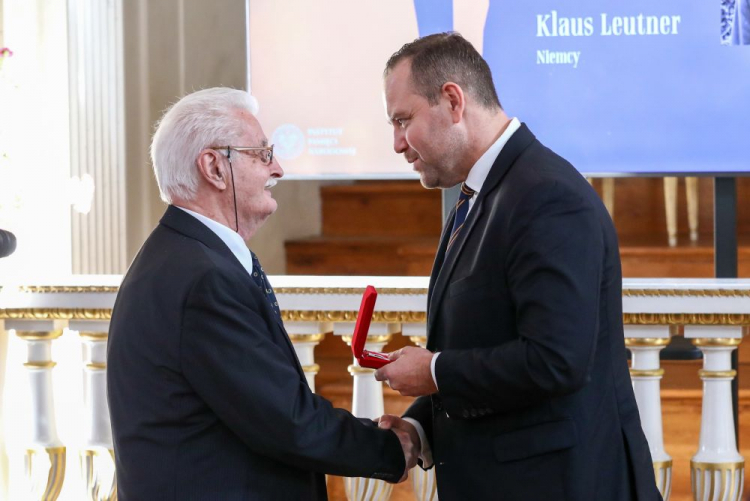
426, 453
432, 368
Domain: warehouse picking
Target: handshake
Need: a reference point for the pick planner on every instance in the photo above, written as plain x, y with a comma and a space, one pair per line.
409, 373
407, 435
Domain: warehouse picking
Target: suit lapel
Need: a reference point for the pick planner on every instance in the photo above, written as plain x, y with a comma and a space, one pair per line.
444, 264
439, 258
186, 224
449, 262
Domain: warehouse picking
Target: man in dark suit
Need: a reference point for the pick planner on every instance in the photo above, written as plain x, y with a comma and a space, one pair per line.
523, 390
206, 394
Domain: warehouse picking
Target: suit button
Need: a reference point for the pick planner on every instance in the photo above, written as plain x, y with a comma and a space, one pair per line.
465, 413
473, 413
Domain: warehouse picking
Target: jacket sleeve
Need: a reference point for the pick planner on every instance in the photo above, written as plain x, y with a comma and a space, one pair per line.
554, 274
230, 359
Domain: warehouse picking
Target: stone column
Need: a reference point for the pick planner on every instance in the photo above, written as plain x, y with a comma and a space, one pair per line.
45, 454
97, 454
305, 336
645, 343
717, 470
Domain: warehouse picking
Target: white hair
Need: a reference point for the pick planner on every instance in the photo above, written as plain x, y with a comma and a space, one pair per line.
199, 120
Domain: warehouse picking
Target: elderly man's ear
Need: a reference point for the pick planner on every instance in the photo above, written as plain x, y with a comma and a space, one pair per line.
214, 168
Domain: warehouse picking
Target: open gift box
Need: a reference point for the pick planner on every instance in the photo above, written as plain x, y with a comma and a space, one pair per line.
366, 358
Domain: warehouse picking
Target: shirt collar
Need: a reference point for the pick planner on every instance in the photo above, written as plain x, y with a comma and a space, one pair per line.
481, 169
231, 238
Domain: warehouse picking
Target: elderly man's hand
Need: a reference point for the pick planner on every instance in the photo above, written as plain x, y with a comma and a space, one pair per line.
408, 436
409, 372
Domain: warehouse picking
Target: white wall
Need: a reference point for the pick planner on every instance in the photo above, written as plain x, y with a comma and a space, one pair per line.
34, 146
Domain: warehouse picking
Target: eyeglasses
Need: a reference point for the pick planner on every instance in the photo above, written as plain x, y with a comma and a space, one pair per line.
266, 152
266, 157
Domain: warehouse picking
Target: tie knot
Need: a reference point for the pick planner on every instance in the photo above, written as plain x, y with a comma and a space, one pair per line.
466, 192
462, 209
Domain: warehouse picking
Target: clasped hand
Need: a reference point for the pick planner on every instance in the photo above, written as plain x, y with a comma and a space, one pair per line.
408, 437
408, 373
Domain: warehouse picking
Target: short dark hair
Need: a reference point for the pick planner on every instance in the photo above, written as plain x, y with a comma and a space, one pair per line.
446, 57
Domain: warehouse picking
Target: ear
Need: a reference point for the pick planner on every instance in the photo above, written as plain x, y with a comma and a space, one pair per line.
455, 98
213, 168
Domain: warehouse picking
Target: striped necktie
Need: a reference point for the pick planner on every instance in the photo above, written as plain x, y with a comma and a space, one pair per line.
260, 279
462, 208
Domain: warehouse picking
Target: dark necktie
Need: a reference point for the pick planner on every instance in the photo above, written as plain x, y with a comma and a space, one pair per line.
462, 208
260, 279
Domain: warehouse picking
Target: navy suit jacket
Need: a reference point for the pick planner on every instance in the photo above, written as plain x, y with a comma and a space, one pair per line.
206, 395
535, 399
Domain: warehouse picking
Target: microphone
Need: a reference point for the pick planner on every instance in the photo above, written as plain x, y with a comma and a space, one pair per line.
7, 243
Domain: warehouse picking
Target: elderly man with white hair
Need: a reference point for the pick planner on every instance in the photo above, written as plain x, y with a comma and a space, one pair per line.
206, 395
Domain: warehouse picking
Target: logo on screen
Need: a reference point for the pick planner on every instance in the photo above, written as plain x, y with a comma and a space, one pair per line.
289, 141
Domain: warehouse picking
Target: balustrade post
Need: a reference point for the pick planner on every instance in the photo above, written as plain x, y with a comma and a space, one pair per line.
423, 481
305, 336
717, 470
97, 454
367, 402
45, 454
645, 342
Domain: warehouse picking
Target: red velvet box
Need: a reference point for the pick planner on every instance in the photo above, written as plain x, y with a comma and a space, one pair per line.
366, 358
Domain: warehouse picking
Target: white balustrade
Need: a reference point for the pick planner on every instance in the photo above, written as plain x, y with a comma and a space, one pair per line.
305, 337
97, 454
45, 459
717, 470
645, 342
713, 313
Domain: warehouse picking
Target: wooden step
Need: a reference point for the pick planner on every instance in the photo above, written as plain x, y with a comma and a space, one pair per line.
414, 257
392, 228
644, 257
381, 208
389, 256
392, 208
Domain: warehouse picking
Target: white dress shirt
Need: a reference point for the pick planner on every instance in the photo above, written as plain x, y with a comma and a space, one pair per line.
475, 180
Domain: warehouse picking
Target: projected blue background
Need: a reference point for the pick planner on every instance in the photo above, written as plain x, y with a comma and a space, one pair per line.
676, 101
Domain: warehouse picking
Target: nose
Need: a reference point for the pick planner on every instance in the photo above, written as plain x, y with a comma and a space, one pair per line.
276, 170
399, 140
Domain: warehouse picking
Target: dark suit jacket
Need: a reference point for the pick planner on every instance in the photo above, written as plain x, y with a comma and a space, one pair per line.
206, 395
535, 400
